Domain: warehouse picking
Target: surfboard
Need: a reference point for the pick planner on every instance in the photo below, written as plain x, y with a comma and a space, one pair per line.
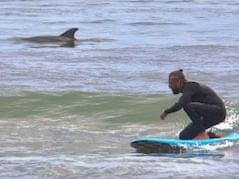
170, 145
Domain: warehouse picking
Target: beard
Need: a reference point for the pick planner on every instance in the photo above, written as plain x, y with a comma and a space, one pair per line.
175, 91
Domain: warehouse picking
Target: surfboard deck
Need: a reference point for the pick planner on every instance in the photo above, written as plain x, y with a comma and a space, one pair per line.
169, 145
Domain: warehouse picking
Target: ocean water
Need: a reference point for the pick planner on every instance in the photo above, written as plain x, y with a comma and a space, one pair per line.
71, 112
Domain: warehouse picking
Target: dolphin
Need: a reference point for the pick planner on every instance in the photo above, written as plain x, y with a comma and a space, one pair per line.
66, 37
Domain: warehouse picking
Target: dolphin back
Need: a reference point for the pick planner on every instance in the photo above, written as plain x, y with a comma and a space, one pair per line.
69, 33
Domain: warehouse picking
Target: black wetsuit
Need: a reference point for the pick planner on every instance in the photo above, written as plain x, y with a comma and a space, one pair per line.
203, 107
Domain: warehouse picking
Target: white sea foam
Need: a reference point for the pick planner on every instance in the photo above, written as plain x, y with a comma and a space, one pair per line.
231, 120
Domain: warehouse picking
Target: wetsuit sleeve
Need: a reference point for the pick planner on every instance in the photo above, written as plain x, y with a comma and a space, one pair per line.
189, 91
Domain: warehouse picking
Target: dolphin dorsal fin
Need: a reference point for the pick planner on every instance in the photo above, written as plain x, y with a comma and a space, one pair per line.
70, 33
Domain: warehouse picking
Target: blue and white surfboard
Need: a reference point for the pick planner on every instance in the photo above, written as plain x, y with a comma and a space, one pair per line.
167, 145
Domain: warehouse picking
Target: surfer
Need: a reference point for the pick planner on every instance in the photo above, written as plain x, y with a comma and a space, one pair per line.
202, 105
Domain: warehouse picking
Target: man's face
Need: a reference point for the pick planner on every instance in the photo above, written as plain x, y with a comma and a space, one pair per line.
174, 84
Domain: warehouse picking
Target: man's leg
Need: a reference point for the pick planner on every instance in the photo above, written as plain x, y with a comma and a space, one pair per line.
194, 112
189, 132
210, 115
202, 116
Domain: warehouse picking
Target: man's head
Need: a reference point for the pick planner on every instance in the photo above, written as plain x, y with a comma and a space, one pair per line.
176, 81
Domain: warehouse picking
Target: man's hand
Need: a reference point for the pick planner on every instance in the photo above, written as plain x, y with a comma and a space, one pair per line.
163, 115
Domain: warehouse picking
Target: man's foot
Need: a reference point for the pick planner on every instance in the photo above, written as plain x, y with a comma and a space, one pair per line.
203, 135
207, 135
215, 134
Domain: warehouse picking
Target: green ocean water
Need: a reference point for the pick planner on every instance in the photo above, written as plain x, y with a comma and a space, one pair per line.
99, 109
